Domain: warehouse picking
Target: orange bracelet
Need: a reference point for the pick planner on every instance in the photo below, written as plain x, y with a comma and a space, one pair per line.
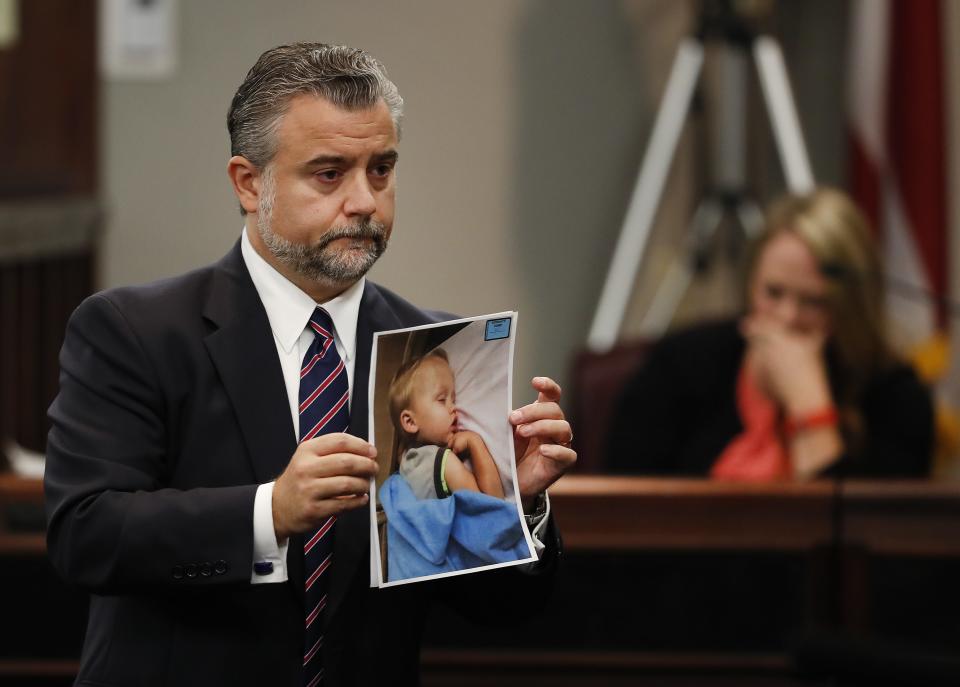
825, 417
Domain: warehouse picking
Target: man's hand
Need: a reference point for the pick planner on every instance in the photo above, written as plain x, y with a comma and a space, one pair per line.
541, 439
326, 476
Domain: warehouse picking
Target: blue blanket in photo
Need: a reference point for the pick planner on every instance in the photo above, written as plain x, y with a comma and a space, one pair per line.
464, 530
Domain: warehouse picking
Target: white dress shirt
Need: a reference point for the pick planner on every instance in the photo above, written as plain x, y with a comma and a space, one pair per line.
289, 310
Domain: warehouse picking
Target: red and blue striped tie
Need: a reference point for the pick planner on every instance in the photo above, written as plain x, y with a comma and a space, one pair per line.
324, 408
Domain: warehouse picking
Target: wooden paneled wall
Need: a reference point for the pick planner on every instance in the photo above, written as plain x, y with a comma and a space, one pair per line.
48, 200
36, 299
48, 101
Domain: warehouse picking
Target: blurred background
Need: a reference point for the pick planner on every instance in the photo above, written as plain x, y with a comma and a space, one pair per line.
526, 123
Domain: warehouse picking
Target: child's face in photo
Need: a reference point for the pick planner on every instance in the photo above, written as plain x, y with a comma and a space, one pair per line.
433, 402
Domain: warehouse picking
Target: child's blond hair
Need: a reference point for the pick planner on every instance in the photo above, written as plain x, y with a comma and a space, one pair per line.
401, 389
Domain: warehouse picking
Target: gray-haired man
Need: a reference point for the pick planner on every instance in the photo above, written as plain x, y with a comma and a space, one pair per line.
177, 491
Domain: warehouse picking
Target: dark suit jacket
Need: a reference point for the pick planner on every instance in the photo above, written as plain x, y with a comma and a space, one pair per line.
172, 409
679, 412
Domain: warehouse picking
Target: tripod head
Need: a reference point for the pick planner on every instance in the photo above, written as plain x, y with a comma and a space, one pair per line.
734, 22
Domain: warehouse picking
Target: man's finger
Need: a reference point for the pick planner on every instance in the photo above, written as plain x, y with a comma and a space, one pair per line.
536, 411
340, 486
548, 389
564, 456
323, 509
337, 464
340, 442
552, 431
346, 503
553, 462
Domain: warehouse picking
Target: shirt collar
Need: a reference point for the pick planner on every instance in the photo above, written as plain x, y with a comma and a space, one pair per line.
289, 309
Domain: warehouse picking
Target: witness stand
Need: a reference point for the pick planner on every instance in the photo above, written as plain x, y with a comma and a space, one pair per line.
625, 516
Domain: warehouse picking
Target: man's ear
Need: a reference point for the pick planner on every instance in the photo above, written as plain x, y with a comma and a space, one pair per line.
247, 182
408, 422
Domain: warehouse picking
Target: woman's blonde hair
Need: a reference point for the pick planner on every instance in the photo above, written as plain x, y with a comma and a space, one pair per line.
838, 236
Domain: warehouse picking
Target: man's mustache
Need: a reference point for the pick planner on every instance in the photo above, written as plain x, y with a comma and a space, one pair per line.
375, 231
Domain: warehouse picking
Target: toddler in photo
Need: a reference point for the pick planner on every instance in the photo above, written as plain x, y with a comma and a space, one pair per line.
444, 499
424, 413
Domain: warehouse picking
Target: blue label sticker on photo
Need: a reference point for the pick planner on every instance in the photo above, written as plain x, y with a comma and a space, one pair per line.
497, 329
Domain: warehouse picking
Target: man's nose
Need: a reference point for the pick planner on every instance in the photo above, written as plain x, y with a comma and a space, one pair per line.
360, 199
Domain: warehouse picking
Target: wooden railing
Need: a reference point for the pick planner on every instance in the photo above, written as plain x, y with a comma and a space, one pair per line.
626, 515
904, 517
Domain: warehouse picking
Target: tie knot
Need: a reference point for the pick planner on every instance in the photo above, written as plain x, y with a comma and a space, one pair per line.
321, 323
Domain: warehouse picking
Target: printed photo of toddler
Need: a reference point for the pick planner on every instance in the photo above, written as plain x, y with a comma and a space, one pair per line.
446, 499
423, 407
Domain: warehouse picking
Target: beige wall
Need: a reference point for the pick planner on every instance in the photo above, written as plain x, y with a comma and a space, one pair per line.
526, 121
165, 144
523, 124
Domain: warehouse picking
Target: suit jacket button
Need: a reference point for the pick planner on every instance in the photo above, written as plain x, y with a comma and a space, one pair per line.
191, 570
220, 567
206, 569
177, 572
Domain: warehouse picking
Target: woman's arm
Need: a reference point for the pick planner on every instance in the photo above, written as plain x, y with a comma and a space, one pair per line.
790, 368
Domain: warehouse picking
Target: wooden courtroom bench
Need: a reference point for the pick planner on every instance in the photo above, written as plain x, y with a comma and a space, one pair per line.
624, 516
619, 517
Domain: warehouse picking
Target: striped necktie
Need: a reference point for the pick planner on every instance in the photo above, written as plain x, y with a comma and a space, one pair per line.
324, 395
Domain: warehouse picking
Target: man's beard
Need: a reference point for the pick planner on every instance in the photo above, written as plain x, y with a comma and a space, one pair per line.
319, 262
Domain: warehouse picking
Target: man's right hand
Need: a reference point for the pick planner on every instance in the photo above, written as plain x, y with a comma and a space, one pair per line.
326, 476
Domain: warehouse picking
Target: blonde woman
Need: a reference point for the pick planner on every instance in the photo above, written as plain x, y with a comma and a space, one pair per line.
803, 383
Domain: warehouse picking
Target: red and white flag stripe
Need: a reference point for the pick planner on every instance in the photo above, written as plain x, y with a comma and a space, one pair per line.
896, 111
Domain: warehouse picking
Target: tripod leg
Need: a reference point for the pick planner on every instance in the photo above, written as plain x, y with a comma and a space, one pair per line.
646, 196
783, 114
751, 218
704, 224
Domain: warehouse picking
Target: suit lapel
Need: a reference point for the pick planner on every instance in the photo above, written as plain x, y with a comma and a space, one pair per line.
352, 541
242, 349
245, 355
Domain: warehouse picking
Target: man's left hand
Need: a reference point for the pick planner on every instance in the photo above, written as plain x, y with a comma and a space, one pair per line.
541, 438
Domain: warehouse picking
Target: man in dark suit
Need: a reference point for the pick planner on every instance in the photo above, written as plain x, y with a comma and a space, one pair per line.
177, 491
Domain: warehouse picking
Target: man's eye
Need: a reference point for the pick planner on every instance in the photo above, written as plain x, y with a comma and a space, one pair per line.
382, 170
328, 175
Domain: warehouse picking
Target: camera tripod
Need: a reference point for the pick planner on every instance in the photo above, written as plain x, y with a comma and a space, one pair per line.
727, 196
